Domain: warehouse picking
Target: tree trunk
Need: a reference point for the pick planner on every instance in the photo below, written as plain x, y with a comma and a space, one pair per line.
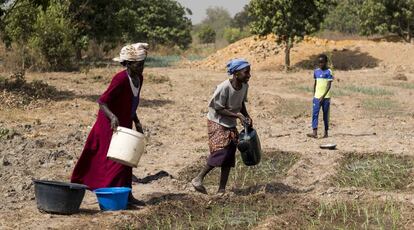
287, 53
23, 53
78, 54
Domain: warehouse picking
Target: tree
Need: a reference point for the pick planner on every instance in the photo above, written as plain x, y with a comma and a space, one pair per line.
388, 16
241, 19
343, 17
218, 19
58, 30
17, 18
232, 34
18, 27
289, 20
156, 21
52, 36
95, 20
207, 35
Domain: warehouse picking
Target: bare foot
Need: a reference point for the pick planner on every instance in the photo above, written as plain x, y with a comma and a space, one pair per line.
198, 186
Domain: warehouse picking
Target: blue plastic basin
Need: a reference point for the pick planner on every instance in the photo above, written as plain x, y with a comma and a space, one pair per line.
113, 198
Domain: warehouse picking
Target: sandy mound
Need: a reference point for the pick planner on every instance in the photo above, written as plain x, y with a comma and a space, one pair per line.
265, 54
255, 49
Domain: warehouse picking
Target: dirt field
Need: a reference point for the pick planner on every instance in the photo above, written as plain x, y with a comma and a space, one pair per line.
297, 185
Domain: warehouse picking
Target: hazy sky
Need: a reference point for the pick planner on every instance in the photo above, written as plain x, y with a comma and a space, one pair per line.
198, 7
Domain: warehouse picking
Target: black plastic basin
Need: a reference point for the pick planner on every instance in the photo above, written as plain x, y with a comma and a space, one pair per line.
59, 197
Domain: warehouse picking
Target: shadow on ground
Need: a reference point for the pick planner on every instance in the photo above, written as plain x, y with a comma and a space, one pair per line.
343, 60
151, 178
88, 212
148, 103
29, 91
162, 197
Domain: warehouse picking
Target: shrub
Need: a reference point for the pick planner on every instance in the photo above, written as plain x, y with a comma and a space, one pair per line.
207, 35
52, 38
232, 34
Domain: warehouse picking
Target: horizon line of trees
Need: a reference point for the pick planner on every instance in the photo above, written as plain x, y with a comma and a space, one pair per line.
53, 34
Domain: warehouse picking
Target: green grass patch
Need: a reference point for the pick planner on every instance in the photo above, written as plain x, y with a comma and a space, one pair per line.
380, 104
302, 88
194, 57
4, 132
274, 165
243, 214
234, 213
288, 211
157, 79
377, 172
357, 215
404, 85
338, 92
161, 61
373, 91
294, 107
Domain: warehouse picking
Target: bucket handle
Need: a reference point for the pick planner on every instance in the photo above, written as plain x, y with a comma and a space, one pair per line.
246, 128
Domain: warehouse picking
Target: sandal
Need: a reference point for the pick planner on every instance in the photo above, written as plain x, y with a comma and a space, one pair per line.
198, 186
311, 135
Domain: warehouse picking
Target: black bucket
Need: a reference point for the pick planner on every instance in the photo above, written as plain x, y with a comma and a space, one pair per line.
249, 146
59, 197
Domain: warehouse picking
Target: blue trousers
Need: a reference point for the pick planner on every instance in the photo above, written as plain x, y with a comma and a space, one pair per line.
326, 104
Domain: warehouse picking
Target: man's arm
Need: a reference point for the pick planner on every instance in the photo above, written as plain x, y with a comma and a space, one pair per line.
328, 87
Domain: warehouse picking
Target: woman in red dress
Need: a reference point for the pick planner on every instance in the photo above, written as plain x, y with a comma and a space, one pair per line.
118, 106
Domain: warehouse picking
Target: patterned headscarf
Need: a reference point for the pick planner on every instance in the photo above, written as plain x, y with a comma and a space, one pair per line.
236, 65
134, 52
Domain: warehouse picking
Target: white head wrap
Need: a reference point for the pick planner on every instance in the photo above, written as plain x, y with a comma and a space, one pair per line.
134, 52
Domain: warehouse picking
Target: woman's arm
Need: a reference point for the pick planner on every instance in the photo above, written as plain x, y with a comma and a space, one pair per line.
108, 113
246, 114
225, 112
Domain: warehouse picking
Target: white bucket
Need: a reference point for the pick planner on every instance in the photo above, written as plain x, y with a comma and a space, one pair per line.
127, 146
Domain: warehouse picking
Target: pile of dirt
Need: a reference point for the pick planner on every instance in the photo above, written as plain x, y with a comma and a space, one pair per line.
255, 49
16, 92
266, 54
27, 154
